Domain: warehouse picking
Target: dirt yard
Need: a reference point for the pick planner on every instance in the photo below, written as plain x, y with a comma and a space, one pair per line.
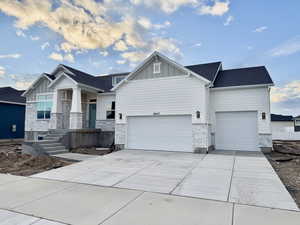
285, 159
91, 151
13, 162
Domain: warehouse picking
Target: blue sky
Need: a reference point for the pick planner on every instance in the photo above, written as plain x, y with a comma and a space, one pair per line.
112, 36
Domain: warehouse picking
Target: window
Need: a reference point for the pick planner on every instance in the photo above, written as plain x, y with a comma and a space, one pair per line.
44, 105
110, 114
297, 122
117, 79
156, 67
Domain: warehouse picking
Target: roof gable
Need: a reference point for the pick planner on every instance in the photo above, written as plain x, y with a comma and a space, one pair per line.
154, 55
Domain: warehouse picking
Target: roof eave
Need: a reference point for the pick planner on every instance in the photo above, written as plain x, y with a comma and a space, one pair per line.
243, 86
34, 83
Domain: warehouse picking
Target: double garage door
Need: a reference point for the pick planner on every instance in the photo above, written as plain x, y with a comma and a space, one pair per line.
169, 133
236, 131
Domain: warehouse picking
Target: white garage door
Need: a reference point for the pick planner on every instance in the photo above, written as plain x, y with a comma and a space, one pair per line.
236, 131
170, 133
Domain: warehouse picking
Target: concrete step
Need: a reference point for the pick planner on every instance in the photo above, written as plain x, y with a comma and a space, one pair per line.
53, 144
48, 149
57, 152
51, 138
102, 149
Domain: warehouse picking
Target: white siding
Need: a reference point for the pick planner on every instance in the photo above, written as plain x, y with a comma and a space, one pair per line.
246, 99
64, 82
167, 96
104, 104
282, 126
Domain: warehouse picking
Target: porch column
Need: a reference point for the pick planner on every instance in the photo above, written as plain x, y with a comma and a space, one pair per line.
56, 111
76, 111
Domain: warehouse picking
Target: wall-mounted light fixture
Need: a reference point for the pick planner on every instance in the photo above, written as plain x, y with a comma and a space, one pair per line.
120, 116
263, 115
198, 114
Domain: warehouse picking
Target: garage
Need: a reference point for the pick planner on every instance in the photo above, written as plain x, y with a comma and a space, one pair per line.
236, 131
169, 133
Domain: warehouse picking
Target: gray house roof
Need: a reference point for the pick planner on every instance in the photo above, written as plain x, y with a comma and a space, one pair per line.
211, 71
243, 76
281, 118
11, 95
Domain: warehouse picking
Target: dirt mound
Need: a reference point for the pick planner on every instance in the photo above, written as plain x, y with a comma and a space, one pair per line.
14, 162
287, 147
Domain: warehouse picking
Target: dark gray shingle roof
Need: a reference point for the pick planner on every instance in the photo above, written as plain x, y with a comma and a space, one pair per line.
9, 94
277, 117
243, 76
207, 70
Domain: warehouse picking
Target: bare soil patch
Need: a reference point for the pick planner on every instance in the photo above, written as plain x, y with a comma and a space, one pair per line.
286, 162
14, 162
91, 151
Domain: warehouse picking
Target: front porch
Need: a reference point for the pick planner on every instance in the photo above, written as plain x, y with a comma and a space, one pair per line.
73, 108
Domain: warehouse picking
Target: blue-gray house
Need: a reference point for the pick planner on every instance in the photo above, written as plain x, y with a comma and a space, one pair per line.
12, 113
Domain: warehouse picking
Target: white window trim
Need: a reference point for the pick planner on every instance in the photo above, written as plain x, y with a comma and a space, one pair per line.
156, 67
114, 80
47, 100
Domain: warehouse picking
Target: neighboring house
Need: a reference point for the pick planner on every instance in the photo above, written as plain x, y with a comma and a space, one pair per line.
12, 113
285, 127
161, 105
282, 123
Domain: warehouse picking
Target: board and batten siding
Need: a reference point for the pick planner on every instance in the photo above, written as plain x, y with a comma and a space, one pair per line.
176, 95
40, 87
246, 99
166, 70
104, 104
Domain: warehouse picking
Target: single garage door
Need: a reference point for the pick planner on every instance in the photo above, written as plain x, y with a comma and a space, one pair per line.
170, 133
236, 131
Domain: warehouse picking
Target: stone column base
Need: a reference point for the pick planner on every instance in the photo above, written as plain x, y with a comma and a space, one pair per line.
56, 121
76, 120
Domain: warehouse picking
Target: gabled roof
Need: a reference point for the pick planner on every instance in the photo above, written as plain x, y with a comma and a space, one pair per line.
12, 96
277, 117
243, 76
207, 70
48, 76
157, 54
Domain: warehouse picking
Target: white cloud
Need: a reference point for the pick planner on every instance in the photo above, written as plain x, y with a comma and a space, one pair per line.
45, 45
2, 72
167, 6
87, 25
120, 46
14, 56
104, 53
229, 20
22, 85
34, 38
166, 46
198, 44
122, 61
289, 47
20, 33
260, 29
290, 91
13, 76
216, 9
59, 57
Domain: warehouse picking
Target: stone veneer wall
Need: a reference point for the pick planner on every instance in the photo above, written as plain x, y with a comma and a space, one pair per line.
33, 126
105, 125
120, 135
56, 121
200, 137
265, 142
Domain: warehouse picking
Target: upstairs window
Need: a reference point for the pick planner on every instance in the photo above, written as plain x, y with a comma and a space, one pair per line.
297, 122
117, 79
44, 106
156, 67
110, 114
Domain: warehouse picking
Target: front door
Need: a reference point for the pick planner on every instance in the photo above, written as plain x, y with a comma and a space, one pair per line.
92, 115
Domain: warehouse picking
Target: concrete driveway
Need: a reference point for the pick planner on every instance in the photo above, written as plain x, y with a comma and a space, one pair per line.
224, 176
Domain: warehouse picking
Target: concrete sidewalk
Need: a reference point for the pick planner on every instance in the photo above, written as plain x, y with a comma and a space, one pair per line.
40, 202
